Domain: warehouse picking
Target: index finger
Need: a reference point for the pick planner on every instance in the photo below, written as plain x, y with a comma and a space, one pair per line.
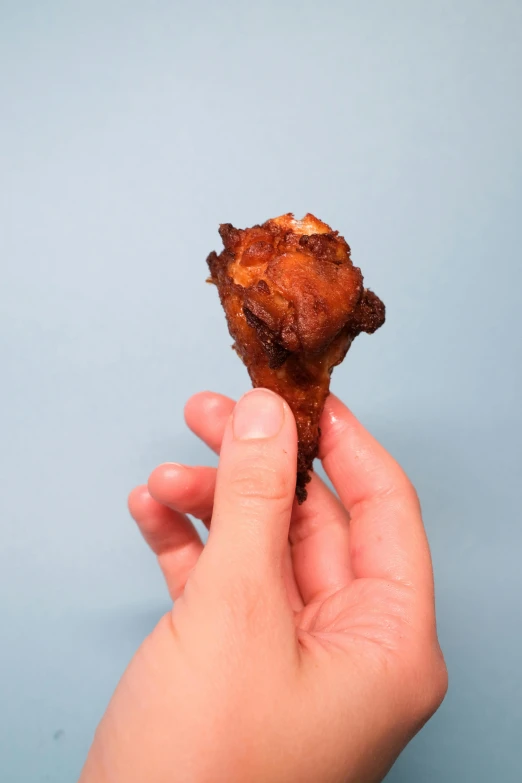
387, 536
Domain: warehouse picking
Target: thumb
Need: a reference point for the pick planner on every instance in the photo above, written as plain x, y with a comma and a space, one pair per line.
255, 487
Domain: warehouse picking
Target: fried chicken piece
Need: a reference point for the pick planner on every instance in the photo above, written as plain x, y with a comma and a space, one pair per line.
294, 302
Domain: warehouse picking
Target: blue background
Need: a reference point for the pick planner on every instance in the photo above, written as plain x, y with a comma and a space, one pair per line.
128, 132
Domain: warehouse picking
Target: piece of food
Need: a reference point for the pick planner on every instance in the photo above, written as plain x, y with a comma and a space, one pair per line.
294, 302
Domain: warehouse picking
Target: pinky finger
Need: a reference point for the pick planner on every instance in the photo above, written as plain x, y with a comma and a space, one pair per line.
171, 536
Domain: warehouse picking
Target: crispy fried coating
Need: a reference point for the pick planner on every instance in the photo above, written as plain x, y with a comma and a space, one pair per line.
294, 302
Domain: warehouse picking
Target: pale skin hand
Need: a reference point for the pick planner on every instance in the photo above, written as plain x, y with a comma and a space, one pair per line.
302, 645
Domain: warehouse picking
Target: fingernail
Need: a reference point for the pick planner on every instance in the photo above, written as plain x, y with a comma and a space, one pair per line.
258, 414
175, 466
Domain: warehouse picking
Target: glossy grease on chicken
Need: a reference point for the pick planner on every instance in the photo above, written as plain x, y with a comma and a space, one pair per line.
293, 302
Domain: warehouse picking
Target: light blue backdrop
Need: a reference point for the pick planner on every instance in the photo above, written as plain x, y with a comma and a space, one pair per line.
128, 132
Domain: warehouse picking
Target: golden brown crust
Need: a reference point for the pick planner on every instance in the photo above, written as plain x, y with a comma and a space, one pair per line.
294, 302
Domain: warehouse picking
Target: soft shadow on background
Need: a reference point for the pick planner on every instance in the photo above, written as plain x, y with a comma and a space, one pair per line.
129, 131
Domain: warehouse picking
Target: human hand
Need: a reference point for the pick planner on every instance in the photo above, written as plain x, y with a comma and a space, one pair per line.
299, 651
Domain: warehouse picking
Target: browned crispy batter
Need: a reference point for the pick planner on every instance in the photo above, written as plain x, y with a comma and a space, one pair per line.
294, 302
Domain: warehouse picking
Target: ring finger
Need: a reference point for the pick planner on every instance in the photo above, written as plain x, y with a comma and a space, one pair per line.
171, 536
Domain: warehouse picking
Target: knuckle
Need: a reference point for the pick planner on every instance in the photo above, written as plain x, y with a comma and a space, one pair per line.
252, 482
439, 680
432, 675
404, 490
412, 495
